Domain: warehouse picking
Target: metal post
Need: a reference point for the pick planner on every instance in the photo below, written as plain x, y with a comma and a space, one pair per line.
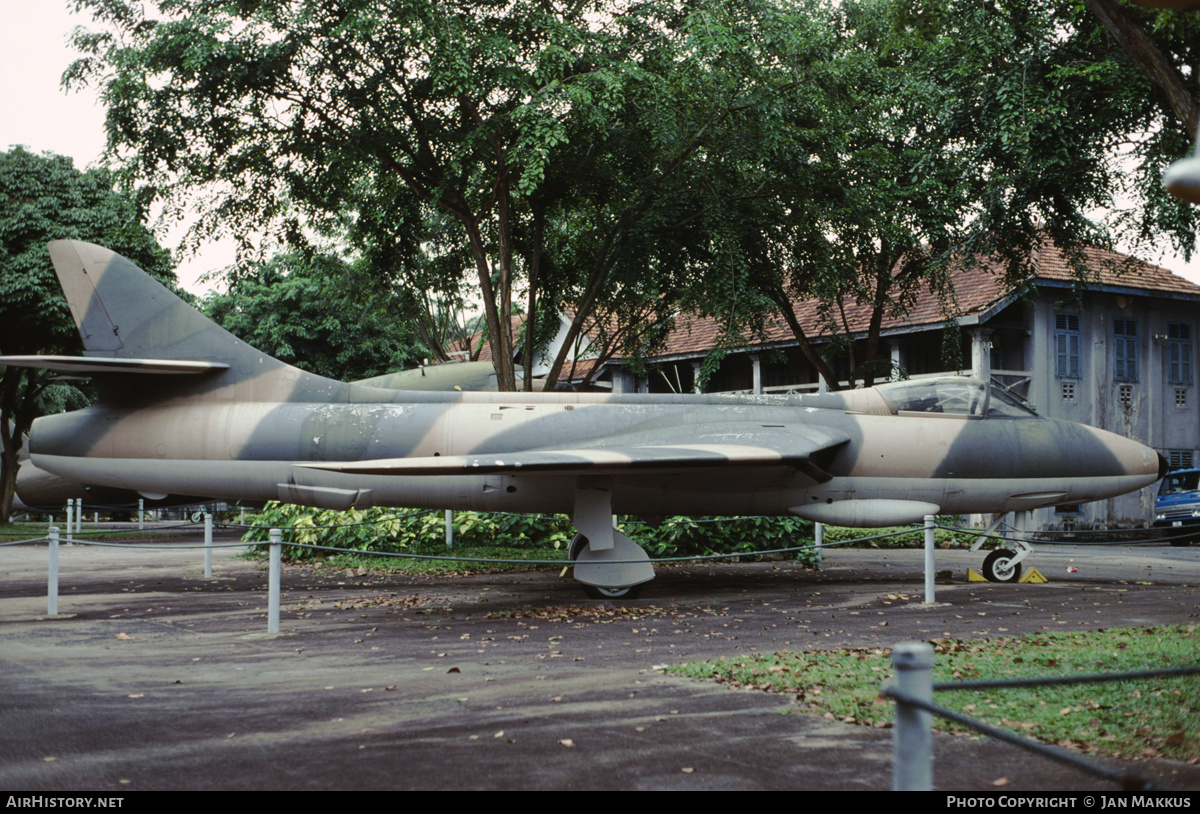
141, 514
273, 585
930, 568
52, 579
242, 517
79, 515
819, 539
208, 545
449, 528
912, 741
70, 520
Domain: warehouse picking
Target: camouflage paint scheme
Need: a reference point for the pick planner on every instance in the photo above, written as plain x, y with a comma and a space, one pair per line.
186, 408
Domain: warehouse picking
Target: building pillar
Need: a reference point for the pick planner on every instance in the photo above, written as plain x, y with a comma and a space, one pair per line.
696, 388
623, 381
756, 372
981, 353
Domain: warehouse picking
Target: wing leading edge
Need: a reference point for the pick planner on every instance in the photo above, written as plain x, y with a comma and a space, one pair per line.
804, 449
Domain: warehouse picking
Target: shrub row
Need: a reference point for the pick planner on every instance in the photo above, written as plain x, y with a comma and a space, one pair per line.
419, 532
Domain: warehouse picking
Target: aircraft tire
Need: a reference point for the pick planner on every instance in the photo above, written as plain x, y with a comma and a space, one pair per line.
623, 592
996, 567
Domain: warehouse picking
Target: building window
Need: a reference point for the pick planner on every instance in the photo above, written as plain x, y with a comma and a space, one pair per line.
1125, 394
1125, 350
1181, 396
1066, 345
1179, 353
1068, 516
1068, 391
1179, 458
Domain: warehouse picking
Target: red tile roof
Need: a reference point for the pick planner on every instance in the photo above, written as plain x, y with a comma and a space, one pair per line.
976, 290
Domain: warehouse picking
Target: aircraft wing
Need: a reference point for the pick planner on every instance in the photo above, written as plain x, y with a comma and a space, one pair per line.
806, 449
92, 365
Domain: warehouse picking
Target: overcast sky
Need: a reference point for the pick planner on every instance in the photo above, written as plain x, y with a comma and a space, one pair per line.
36, 112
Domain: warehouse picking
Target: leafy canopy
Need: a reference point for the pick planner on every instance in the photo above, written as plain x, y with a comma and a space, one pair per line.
320, 314
44, 198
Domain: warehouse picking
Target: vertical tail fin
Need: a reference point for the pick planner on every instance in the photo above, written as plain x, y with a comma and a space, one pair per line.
123, 313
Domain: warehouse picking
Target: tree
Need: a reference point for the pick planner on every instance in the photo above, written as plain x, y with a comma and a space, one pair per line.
950, 132
44, 198
533, 127
319, 314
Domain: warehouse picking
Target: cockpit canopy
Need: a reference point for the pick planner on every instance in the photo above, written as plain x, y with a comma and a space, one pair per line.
953, 395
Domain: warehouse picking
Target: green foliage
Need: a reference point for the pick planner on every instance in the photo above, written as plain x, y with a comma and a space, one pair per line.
320, 314
899, 537
927, 134
44, 198
686, 537
1116, 718
621, 162
424, 532
413, 532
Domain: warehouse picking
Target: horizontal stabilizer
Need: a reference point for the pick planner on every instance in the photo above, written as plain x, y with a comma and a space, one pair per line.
101, 365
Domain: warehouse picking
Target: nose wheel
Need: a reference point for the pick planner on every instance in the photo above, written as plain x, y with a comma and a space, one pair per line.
1004, 564
1001, 565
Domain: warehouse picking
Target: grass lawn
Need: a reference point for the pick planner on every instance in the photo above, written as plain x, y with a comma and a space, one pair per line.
1143, 718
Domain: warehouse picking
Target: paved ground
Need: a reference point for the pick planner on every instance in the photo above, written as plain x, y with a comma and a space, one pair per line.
157, 678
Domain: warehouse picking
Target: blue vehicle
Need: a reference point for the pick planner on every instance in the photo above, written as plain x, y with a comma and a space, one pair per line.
1177, 506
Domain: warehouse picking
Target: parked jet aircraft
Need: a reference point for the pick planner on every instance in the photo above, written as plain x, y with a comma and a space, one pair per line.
187, 408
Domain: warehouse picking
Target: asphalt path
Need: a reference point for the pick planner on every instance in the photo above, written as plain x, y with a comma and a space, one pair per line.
154, 677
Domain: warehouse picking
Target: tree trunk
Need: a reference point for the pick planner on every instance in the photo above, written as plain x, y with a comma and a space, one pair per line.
1129, 35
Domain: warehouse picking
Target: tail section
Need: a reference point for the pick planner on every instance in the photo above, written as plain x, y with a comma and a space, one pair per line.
129, 320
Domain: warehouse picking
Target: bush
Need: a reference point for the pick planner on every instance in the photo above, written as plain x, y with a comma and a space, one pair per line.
688, 537
424, 532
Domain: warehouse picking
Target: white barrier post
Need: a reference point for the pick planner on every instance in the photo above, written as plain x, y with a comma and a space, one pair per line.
912, 741
208, 545
52, 579
449, 528
70, 520
930, 568
819, 539
79, 515
141, 514
273, 584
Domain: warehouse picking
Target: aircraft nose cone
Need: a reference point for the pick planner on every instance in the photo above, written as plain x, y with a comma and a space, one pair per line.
1139, 461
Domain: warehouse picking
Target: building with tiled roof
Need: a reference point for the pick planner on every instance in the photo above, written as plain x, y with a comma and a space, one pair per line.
1115, 351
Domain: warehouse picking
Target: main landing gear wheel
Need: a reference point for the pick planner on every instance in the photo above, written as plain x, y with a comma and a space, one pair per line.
601, 592
578, 543
999, 567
